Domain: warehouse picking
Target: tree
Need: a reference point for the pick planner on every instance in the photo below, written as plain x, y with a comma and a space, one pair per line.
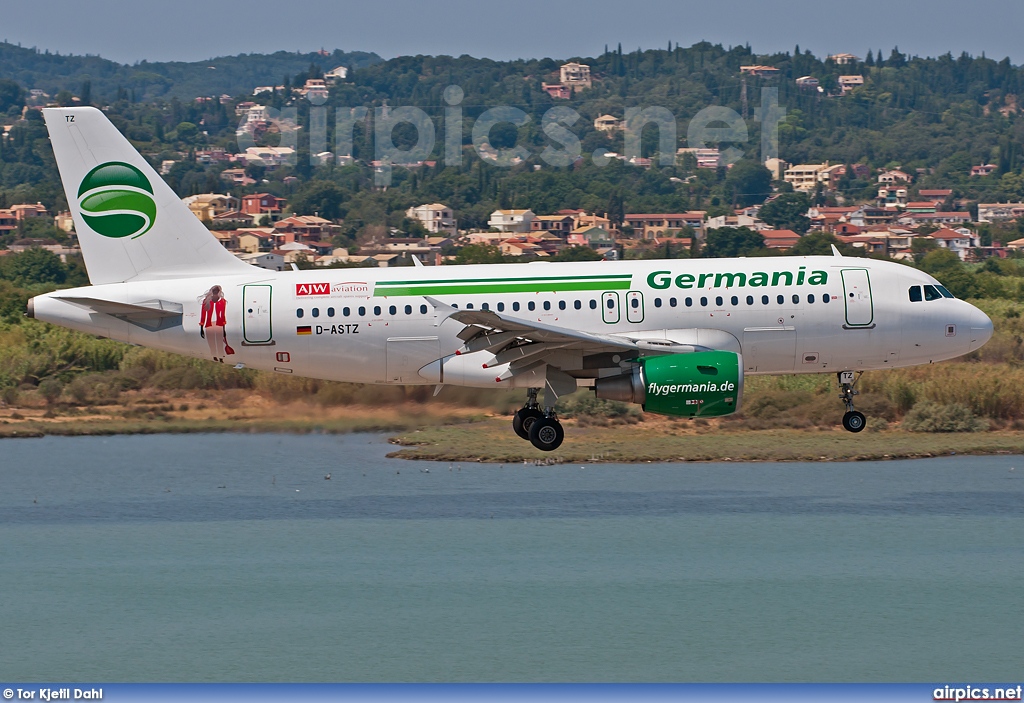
187, 131
320, 197
576, 253
788, 211
748, 183
33, 266
820, 244
11, 95
732, 241
480, 254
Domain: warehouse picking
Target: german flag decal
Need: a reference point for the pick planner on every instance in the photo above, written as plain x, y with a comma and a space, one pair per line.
303, 329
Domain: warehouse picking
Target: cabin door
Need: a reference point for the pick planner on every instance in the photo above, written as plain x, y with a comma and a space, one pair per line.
860, 311
256, 324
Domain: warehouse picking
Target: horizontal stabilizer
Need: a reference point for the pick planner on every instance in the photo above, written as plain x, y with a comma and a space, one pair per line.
152, 315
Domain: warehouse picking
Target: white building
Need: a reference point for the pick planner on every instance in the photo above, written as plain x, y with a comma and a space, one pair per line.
436, 218
991, 212
706, 158
336, 74
607, 123
575, 75
848, 83
804, 176
265, 260
511, 220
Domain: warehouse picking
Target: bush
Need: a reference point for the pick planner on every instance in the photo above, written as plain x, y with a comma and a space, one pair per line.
588, 409
927, 416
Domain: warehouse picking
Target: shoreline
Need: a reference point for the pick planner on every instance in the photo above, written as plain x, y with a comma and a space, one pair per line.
441, 434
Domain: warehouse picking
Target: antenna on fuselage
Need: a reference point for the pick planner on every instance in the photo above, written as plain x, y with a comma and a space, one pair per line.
835, 252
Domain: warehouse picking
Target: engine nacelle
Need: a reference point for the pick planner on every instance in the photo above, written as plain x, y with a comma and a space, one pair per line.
701, 384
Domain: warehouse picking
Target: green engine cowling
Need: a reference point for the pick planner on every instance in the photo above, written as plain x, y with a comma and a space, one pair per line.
699, 384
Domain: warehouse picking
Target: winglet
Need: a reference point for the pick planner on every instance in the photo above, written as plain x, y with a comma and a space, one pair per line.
835, 252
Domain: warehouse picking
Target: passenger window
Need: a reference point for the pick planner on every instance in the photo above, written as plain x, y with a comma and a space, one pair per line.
469, 306
547, 304
392, 310
593, 304
719, 302
362, 312
330, 312
796, 300
825, 297
672, 302
423, 309
635, 303
750, 300
689, 302
611, 303
657, 302
704, 302
810, 298
561, 305
515, 306
531, 305
781, 299
346, 311
915, 294
376, 310
577, 304
485, 306
408, 309
735, 300
316, 311
501, 307
299, 313
931, 293
764, 300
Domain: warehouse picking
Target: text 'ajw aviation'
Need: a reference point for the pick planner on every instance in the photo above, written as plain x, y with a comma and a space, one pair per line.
675, 336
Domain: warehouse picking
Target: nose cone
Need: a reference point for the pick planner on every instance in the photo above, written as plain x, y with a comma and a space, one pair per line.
981, 328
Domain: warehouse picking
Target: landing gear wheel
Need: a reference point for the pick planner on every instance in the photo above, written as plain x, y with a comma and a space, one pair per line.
853, 421
547, 434
523, 420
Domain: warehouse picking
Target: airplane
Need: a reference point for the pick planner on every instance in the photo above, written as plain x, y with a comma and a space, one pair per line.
677, 337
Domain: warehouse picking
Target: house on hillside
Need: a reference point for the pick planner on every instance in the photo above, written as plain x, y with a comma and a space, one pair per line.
436, 218
984, 170
850, 83
511, 220
893, 176
575, 76
651, 225
779, 238
761, 71
607, 123
993, 212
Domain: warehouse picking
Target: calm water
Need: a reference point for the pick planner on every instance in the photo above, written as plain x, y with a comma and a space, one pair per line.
230, 558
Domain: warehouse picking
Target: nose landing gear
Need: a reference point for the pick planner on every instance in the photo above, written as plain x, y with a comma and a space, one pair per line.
853, 421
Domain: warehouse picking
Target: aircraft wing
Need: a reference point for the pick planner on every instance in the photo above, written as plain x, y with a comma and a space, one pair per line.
501, 334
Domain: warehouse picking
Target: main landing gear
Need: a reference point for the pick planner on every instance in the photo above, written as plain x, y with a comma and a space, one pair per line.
540, 427
853, 421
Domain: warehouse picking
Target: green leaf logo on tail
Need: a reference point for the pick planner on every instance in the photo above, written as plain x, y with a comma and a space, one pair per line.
116, 200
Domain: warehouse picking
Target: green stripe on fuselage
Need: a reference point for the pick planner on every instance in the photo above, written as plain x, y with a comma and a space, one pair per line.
470, 288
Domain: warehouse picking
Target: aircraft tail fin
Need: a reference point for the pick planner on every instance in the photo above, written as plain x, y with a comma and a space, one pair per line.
130, 224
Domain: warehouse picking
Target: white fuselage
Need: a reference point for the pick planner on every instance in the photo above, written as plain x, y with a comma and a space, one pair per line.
783, 314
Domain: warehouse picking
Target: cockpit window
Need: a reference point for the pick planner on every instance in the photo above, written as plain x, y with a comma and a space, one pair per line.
945, 293
915, 294
931, 293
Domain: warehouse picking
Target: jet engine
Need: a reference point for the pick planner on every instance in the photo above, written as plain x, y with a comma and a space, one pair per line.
698, 384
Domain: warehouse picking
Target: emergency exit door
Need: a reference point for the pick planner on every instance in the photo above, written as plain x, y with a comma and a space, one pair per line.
257, 328
610, 307
860, 310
